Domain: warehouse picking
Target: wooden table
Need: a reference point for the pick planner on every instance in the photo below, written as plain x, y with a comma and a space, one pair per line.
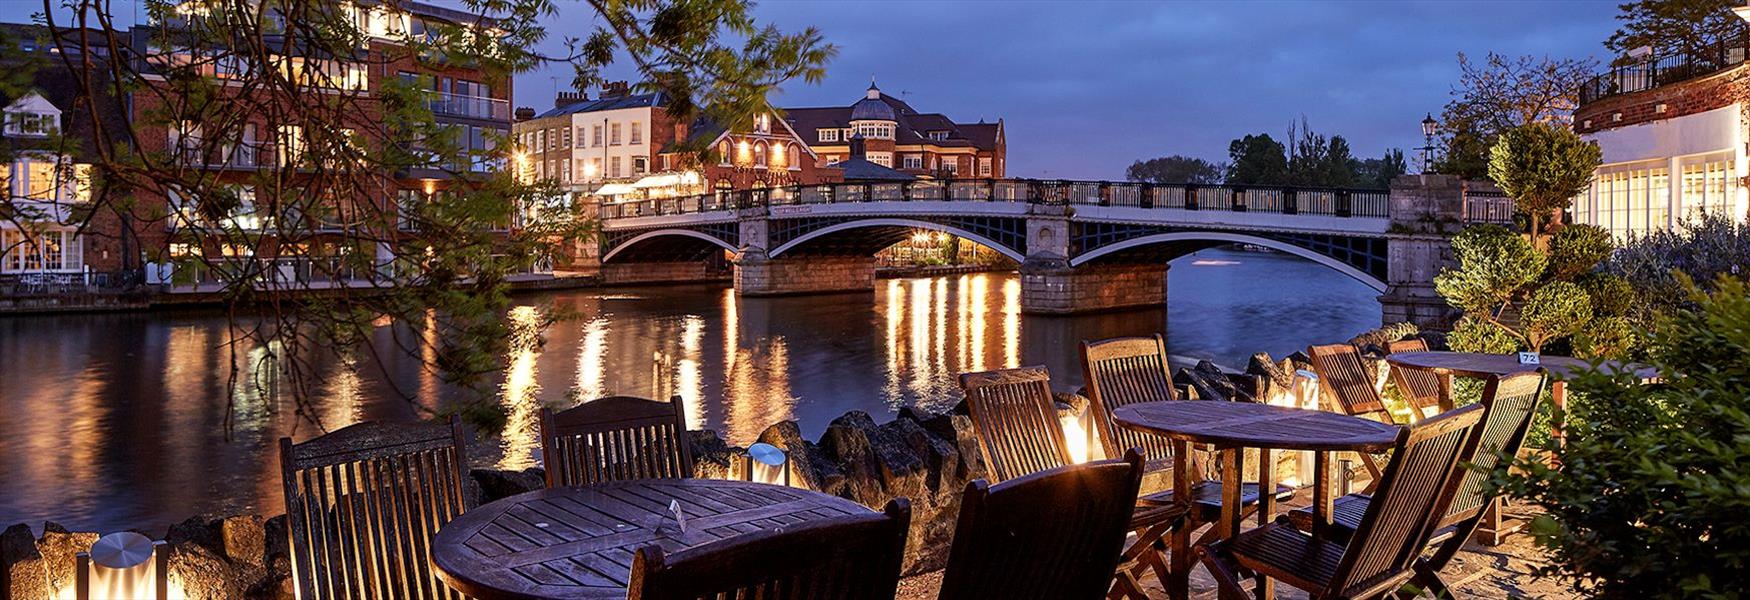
578, 542
1232, 427
1474, 365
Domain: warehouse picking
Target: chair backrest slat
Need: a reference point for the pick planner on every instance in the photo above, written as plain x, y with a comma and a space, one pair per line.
1345, 380
1119, 372
854, 557
1510, 407
1018, 429
1413, 492
1421, 388
1052, 534
615, 439
363, 503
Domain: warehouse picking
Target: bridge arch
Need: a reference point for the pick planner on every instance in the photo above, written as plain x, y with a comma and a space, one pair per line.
1238, 238
648, 235
907, 224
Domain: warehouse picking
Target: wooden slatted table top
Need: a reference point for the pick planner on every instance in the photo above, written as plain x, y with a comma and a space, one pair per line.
1249, 425
1479, 365
578, 542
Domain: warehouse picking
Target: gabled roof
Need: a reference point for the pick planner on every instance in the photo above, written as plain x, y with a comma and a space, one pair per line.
912, 127
859, 169
601, 104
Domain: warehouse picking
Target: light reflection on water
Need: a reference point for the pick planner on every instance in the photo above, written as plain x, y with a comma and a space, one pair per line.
118, 421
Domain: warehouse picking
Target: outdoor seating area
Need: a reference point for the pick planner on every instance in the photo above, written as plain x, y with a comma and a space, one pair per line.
379, 510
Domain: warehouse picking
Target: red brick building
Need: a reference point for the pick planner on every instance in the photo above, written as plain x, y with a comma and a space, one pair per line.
899, 137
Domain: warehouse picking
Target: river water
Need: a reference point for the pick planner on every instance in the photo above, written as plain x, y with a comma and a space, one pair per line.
132, 420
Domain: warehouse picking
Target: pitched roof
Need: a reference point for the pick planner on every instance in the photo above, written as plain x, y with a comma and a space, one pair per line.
600, 104
913, 127
858, 169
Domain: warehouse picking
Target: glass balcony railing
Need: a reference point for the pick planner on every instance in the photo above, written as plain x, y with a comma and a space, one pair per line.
476, 107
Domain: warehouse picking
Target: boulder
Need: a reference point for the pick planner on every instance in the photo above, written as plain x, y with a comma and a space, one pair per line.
23, 572
202, 573
846, 443
1211, 383
244, 540
58, 547
495, 484
712, 457
808, 466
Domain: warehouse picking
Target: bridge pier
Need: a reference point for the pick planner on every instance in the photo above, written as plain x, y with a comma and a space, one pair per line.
635, 273
1426, 210
1051, 287
759, 275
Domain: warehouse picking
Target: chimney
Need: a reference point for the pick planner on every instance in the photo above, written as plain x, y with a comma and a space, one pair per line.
858, 151
564, 99
524, 113
615, 89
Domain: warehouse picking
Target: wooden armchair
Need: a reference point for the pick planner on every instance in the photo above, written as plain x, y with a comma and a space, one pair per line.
855, 557
614, 439
363, 503
1019, 434
1416, 488
1510, 407
1053, 534
1423, 390
1345, 382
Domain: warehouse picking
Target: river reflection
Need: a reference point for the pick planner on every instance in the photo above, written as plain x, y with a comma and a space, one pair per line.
119, 421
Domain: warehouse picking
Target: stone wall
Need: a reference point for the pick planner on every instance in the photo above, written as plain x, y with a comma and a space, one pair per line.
618, 273
1055, 288
759, 276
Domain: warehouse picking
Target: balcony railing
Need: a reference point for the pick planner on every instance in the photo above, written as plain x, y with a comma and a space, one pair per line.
1667, 69
476, 107
1234, 198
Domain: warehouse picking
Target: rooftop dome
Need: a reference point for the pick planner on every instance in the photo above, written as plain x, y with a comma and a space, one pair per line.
872, 107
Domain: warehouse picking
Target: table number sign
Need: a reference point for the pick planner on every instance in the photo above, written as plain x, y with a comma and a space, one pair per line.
674, 506
1528, 358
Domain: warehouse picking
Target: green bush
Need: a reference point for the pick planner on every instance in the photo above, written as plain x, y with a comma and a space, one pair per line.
1704, 248
1543, 166
1653, 487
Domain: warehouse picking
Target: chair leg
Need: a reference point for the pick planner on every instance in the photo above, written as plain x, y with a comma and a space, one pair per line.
1429, 581
1227, 578
1374, 471
1125, 587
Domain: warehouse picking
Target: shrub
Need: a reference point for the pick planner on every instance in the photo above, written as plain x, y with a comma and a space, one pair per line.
1515, 296
1704, 248
1654, 479
1543, 166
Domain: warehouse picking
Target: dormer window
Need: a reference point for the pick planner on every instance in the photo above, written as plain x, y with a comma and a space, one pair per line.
829, 135
938, 135
32, 116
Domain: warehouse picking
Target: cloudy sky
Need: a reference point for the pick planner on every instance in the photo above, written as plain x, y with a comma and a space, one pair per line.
1085, 88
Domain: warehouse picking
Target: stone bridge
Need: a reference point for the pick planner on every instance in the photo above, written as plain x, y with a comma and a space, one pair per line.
1081, 246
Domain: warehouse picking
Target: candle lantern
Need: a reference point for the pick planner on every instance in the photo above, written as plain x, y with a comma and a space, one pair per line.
123, 565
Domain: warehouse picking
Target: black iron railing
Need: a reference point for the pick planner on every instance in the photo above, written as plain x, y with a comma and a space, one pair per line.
1234, 198
1667, 69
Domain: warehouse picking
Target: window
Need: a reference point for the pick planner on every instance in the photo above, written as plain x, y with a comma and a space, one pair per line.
640, 165
614, 167
984, 166
637, 133
1710, 187
912, 161
185, 143
541, 140
290, 144
950, 165
759, 155
581, 136
595, 168
762, 123
39, 180
884, 159
793, 157
829, 135
614, 134
25, 252
939, 135
723, 153
596, 137
565, 171
31, 124
565, 142
875, 130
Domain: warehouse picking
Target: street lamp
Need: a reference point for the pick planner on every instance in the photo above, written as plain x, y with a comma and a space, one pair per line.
1428, 127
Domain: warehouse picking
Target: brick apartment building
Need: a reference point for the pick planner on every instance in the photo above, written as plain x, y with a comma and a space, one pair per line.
463, 97
899, 137
1673, 131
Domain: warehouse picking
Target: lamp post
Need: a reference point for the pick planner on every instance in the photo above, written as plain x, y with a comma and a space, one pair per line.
1428, 127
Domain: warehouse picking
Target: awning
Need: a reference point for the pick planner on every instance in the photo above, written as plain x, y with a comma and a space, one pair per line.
615, 189
668, 180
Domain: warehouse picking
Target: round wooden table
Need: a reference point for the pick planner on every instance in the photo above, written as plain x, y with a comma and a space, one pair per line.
1233, 427
578, 542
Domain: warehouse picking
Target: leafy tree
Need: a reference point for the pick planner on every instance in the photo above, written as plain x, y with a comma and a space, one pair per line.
1379, 172
1542, 167
1694, 27
1257, 159
1175, 169
1649, 497
1516, 296
1500, 94
286, 73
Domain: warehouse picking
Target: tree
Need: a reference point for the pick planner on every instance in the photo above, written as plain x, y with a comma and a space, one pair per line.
1693, 27
1515, 295
1175, 169
1500, 94
1649, 496
1379, 172
1257, 160
285, 171
1542, 167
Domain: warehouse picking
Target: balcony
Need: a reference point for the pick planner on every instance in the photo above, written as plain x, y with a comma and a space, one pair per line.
1655, 71
473, 107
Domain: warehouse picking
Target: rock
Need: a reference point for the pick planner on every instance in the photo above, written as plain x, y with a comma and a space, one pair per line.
245, 540
58, 547
278, 544
1211, 383
197, 530
1384, 335
495, 484
808, 466
966, 440
23, 572
1274, 378
846, 443
712, 457
201, 573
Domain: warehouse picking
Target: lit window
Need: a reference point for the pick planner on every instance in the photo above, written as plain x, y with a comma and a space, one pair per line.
884, 159
759, 155
762, 124
984, 166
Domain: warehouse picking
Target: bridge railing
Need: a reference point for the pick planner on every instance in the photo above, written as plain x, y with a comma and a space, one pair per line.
1234, 198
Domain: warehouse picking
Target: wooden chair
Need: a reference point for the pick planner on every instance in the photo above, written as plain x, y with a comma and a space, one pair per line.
363, 504
1350, 390
852, 558
1416, 488
616, 438
1510, 407
1420, 388
1053, 534
1019, 434
1122, 371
